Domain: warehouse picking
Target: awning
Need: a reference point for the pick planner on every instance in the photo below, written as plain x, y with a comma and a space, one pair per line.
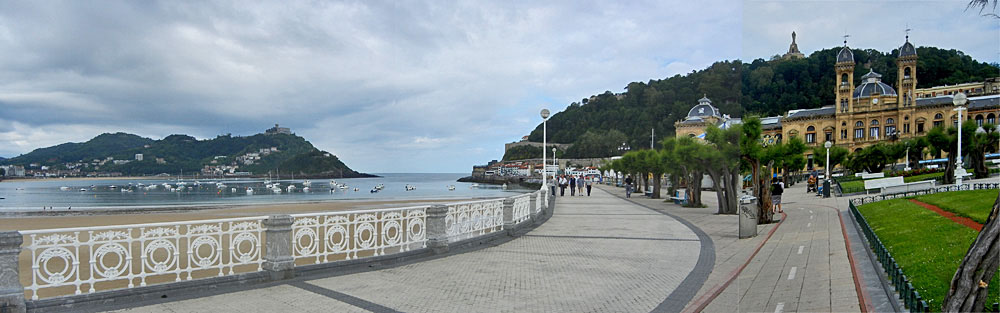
944, 160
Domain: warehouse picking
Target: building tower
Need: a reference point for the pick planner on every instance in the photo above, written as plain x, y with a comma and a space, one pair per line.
906, 64
845, 86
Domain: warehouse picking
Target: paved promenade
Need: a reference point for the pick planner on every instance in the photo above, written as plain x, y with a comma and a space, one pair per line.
596, 254
803, 267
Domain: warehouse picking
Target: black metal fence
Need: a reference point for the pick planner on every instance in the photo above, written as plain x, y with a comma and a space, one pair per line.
911, 298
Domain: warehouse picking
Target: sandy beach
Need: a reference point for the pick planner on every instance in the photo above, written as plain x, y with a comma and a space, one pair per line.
81, 219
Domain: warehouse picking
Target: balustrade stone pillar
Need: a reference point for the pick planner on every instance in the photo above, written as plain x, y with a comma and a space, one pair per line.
508, 216
11, 291
437, 229
278, 260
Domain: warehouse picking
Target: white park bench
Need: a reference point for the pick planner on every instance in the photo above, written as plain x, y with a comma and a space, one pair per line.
880, 183
680, 197
870, 175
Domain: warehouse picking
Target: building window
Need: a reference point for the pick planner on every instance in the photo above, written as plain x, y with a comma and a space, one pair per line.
859, 133
890, 130
890, 121
829, 136
906, 128
938, 116
874, 122
843, 134
938, 123
920, 128
979, 120
859, 124
810, 137
873, 133
991, 119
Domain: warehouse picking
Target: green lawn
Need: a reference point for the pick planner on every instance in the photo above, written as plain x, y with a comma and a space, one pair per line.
973, 204
927, 246
923, 177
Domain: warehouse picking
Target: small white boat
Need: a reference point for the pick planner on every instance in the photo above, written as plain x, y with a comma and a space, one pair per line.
307, 183
249, 191
355, 189
83, 189
305, 189
113, 187
276, 190
64, 188
474, 185
233, 190
291, 188
504, 186
409, 188
451, 187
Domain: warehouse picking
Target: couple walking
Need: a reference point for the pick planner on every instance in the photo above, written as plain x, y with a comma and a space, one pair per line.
575, 183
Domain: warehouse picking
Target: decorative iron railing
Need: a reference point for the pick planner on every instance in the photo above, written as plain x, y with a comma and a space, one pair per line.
880, 197
141, 253
911, 298
522, 208
66, 261
330, 236
474, 218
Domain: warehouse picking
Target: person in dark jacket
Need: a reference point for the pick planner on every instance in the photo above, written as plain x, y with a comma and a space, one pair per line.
628, 186
777, 188
572, 185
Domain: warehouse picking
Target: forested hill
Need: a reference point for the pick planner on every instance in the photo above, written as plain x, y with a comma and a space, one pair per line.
181, 153
764, 87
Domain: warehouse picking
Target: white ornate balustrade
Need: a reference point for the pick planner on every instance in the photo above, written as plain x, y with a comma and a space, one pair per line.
132, 254
66, 261
347, 235
474, 218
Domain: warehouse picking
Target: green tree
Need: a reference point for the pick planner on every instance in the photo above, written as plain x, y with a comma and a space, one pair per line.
751, 154
837, 155
982, 141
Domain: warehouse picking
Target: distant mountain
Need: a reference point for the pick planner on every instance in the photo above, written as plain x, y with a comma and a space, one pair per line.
285, 154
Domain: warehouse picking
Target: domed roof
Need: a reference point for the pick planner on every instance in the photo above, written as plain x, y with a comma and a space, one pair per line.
872, 83
907, 49
703, 109
845, 55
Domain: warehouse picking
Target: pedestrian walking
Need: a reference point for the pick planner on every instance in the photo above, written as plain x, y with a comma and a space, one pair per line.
628, 186
562, 185
572, 185
590, 183
777, 188
579, 184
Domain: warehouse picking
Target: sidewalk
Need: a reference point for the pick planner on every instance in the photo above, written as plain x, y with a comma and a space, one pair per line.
803, 266
596, 254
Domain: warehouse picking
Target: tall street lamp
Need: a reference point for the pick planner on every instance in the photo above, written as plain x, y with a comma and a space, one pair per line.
959, 100
545, 118
826, 182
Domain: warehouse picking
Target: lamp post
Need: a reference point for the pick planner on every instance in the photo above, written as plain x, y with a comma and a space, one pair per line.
826, 182
545, 118
555, 181
959, 100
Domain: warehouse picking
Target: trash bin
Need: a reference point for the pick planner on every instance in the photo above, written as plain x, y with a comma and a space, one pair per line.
748, 216
826, 188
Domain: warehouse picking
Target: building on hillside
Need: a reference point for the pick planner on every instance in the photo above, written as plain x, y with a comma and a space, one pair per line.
868, 113
278, 130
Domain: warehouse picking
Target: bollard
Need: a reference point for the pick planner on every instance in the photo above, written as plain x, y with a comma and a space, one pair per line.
278, 260
11, 291
437, 229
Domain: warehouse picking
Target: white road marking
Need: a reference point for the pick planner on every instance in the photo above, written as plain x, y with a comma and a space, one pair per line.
809, 225
801, 208
810, 211
810, 217
781, 306
800, 249
791, 273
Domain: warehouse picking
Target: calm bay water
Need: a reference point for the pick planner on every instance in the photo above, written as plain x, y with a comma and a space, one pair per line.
34, 194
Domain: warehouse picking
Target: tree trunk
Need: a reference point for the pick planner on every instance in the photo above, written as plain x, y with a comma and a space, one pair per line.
949, 170
968, 291
719, 191
732, 190
656, 185
765, 215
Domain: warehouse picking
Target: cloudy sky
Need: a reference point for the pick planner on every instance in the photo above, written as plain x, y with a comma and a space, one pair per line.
391, 86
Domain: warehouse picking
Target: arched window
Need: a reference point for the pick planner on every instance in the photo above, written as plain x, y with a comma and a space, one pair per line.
979, 120
906, 72
890, 121
906, 117
991, 119
874, 122
843, 79
843, 124
859, 124
811, 128
938, 116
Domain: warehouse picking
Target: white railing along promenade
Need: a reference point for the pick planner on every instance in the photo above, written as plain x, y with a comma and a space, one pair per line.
473, 218
68, 261
346, 234
129, 254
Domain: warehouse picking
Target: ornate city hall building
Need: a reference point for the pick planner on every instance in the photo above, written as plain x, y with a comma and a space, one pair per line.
868, 113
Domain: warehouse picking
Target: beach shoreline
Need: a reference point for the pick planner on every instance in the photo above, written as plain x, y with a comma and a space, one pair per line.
52, 219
